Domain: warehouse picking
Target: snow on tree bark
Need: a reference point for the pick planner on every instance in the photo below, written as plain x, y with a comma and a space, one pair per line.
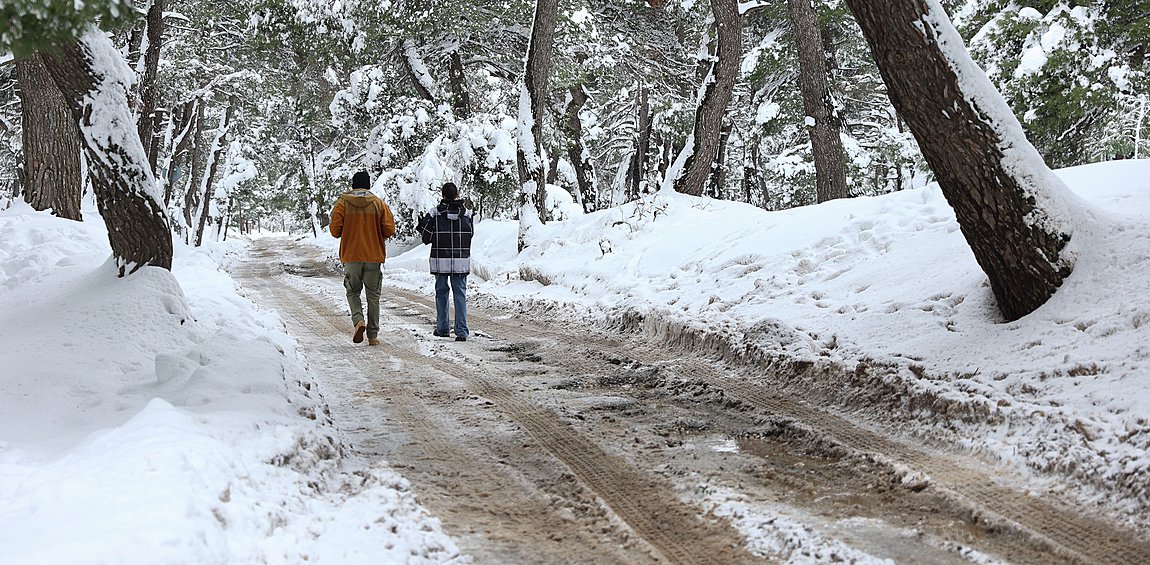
532, 99
420, 76
96, 82
460, 99
637, 176
192, 192
147, 122
1015, 213
181, 121
218, 146
577, 152
826, 143
715, 95
50, 140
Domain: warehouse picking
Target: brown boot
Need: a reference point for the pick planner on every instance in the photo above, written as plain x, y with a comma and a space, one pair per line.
357, 337
373, 341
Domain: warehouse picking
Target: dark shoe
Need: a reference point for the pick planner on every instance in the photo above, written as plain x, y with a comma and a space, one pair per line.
460, 338
357, 337
438, 333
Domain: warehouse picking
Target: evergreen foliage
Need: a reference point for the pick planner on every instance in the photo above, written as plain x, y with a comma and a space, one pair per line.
319, 90
1071, 73
33, 25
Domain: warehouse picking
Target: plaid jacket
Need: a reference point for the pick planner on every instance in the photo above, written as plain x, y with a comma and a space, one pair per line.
448, 229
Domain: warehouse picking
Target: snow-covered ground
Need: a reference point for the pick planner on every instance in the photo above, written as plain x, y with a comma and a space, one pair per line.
162, 418
885, 282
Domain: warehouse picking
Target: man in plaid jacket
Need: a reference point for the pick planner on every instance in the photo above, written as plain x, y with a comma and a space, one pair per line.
448, 228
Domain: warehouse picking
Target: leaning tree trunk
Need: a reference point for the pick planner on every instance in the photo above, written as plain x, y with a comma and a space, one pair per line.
51, 141
1013, 210
125, 188
824, 123
417, 70
532, 100
716, 94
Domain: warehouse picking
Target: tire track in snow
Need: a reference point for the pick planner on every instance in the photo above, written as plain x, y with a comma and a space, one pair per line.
674, 530
1066, 530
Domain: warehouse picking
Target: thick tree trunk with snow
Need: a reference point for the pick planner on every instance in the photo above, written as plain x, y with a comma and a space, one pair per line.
51, 141
533, 99
826, 145
1001, 191
577, 152
716, 94
91, 75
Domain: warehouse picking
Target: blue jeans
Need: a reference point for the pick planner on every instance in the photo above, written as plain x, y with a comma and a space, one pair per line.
459, 294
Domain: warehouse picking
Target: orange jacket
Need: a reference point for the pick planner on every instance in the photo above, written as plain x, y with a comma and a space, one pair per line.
361, 222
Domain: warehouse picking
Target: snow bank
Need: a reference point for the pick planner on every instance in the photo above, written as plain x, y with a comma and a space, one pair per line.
160, 418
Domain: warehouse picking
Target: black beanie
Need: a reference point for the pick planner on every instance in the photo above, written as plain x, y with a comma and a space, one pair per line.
361, 180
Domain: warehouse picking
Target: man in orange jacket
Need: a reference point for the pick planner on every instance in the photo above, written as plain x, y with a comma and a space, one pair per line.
362, 222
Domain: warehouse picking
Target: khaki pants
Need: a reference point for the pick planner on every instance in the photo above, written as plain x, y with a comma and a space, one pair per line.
356, 278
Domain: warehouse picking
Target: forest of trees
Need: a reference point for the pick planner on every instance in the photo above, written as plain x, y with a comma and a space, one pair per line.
257, 113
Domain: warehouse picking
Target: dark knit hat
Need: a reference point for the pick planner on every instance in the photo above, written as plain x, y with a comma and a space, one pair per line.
360, 180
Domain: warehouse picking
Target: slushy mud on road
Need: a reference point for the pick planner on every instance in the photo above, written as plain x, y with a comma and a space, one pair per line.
543, 441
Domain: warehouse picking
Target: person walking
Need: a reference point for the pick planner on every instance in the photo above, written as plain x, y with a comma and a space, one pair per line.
448, 228
362, 223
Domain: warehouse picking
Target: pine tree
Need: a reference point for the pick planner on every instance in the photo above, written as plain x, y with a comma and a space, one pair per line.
1008, 204
98, 94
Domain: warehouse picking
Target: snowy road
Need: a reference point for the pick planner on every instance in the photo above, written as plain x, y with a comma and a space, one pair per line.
541, 442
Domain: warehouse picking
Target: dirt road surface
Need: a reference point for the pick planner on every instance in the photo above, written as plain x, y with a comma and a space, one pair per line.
547, 441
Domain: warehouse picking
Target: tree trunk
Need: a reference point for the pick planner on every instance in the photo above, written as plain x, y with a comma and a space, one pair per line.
667, 152
823, 123
420, 79
125, 189
460, 99
218, 147
182, 121
553, 168
51, 141
222, 235
160, 121
192, 193
533, 99
719, 171
716, 94
147, 123
576, 150
1012, 209
640, 162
